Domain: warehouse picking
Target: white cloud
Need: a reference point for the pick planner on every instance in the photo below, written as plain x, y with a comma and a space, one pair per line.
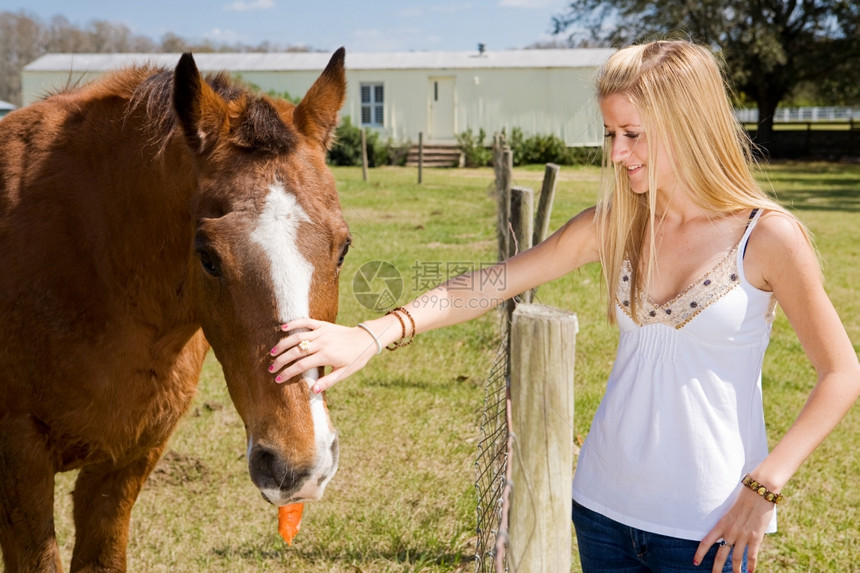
414, 12
224, 36
246, 5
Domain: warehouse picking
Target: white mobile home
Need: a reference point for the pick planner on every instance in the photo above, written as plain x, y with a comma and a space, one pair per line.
5, 107
400, 94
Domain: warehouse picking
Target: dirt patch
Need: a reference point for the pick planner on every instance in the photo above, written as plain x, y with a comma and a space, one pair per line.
175, 469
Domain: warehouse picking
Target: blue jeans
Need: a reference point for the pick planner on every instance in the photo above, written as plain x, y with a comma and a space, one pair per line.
606, 545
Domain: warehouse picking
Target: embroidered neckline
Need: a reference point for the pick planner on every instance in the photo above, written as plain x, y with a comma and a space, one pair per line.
687, 304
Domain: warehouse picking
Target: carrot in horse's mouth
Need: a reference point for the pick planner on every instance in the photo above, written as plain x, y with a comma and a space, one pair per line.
289, 521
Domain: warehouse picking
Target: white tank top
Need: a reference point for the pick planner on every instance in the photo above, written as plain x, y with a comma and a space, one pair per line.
682, 419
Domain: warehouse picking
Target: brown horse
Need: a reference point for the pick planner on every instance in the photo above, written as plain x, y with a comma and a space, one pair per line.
142, 218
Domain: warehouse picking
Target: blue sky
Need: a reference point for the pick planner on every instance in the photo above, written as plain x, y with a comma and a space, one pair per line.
369, 26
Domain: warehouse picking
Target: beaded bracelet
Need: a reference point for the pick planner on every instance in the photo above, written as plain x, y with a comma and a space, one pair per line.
760, 489
411, 321
399, 343
396, 344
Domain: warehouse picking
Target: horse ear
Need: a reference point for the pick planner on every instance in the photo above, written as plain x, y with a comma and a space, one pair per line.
316, 115
192, 98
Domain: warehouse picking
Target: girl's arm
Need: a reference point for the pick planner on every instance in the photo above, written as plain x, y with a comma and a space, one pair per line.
457, 300
781, 260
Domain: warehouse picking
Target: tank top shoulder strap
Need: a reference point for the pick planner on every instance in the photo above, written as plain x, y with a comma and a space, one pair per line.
751, 222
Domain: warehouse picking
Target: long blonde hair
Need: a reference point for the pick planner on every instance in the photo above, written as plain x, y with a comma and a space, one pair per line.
680, 93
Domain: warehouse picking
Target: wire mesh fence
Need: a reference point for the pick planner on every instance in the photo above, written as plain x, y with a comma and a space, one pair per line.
492, 482
516, 231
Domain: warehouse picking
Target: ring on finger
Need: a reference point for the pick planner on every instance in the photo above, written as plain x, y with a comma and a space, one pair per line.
305, 346
724, 543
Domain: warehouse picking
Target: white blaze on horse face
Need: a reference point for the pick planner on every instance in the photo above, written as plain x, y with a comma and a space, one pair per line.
323, 436
277, 234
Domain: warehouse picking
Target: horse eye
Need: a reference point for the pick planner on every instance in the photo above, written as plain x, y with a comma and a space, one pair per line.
210, 266
343, 251
208, 260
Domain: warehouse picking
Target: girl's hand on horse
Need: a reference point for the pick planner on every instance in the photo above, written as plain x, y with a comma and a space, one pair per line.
316, 343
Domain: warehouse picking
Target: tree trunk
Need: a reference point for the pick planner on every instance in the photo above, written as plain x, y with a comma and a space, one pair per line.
764, 130
765, 136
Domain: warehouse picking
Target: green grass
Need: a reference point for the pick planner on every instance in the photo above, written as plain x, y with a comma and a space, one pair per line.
403, 499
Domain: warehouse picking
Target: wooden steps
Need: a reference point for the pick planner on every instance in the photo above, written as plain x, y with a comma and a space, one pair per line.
436, 155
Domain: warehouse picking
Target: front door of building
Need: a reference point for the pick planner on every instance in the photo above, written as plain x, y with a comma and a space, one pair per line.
441, 95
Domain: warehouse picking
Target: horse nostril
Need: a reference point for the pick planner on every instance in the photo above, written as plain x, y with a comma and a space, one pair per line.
263, 462
270, 471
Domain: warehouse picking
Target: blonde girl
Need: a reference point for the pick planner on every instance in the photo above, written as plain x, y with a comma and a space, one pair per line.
675, 474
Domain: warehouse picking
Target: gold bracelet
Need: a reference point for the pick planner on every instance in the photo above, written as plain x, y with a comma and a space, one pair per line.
760, 489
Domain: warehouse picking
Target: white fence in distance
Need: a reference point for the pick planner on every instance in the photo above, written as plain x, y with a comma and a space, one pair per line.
803, 114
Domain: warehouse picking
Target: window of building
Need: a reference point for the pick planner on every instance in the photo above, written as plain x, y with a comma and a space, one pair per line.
372, 105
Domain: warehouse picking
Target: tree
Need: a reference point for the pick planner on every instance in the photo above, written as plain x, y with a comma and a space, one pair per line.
20, 37
170, 42
769, 46
24, 37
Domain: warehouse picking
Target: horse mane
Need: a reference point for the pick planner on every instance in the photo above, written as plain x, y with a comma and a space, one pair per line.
255, 124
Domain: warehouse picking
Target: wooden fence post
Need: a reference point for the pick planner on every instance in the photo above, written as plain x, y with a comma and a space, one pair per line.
519, 236
420, 155
522, 225
363, 154
543, 345
544, 209
504, 175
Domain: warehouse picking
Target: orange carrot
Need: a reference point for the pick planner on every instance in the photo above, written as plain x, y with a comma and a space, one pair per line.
290, 521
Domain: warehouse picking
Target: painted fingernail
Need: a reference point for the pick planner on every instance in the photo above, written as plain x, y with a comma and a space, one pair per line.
273, 350
285, 326
278, 379
272, 368
695, 563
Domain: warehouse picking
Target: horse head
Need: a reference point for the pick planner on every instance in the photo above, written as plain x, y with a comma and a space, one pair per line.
269, 241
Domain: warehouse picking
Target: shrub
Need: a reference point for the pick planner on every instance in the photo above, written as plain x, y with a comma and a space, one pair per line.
394, 154
538, 149
285, 95
346, 150
475, 153
584, 155
517, 143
